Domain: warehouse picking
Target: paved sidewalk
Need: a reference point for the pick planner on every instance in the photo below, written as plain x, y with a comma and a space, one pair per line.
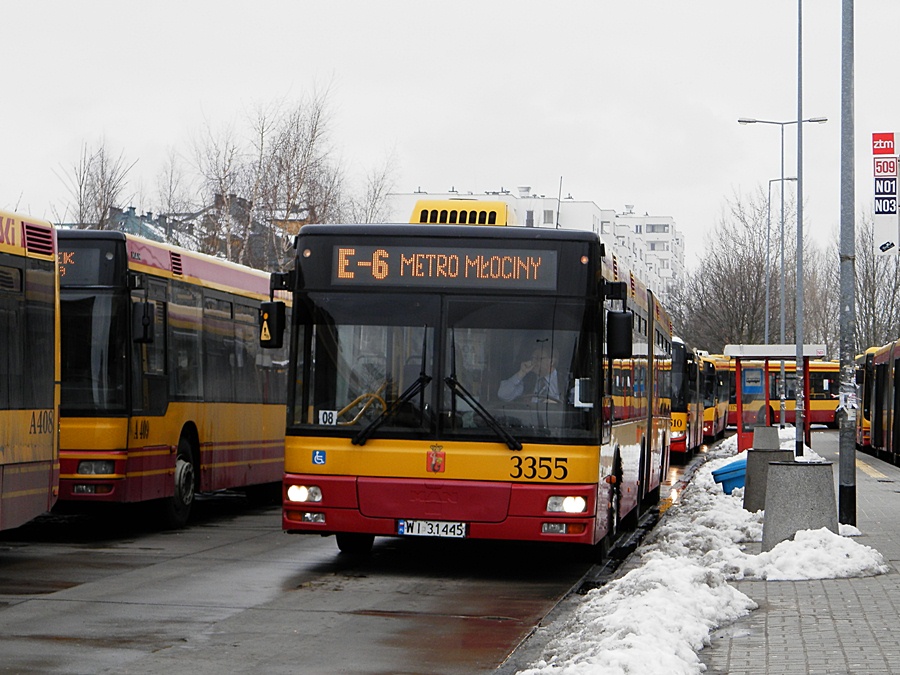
834, 626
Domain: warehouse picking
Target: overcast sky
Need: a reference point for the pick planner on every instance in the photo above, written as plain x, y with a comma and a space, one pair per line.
629, 102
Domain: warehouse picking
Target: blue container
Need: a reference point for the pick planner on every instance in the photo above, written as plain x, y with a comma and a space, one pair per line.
732, 475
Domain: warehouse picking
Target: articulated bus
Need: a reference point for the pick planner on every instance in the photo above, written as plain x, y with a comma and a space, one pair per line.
824, 385
686, 403
165, 391
865, 385
29, 369
881, 402
714, 394
824, 390
454, 381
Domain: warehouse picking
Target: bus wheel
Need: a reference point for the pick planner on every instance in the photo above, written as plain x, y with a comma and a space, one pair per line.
355, 544
177, 508
838, 419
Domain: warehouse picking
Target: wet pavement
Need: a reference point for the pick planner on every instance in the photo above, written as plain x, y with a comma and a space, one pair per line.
233, 593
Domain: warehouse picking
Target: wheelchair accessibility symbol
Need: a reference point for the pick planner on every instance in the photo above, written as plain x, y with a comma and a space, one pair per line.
318, 457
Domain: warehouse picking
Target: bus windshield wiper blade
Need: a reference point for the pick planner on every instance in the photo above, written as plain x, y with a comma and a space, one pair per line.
511, 441
418, 385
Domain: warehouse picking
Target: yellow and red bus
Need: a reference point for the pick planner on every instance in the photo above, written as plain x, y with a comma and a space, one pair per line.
865, 385
824, 390
686, 401
881, 401
421, 405
824, 384
715, 394
29, 369
165, 391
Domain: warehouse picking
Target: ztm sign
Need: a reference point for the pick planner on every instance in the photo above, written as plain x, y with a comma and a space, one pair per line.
883, 144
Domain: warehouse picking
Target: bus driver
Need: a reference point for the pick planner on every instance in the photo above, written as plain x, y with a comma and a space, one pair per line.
537, 375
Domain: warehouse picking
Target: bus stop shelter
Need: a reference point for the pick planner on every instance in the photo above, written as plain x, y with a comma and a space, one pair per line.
753, 390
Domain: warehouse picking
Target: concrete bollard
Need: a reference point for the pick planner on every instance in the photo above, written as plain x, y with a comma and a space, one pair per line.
757, 475
766, 448
799, 496
766, 438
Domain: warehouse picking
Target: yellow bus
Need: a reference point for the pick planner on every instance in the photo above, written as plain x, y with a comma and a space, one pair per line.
822, 395
29, 369
686, 401
715, 395
165, 391
455, 381
865, 385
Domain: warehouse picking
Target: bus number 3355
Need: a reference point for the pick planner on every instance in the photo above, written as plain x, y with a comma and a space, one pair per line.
539, 467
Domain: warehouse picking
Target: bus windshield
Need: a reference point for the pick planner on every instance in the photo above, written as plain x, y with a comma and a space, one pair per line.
520, 360
680, 380
364, 351
94, 350
508, 362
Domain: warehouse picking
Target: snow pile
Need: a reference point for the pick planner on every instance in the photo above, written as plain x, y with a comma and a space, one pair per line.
654, 619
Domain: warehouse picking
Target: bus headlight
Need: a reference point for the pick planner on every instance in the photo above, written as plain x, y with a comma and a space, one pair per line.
94, 467
304, 493
560, 504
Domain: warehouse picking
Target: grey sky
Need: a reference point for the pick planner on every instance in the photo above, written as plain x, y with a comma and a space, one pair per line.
629, 102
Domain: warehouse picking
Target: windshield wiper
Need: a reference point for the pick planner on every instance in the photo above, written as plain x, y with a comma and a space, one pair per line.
420, 383
416, 387
511, 441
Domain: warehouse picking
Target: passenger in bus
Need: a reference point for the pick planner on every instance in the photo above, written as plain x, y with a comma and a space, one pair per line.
537, 375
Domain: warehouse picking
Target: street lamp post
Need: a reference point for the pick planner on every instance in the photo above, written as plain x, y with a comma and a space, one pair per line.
768, 228
751, 120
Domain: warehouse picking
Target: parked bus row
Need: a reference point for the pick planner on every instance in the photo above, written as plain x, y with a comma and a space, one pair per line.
455, 377
132, 373
703, 395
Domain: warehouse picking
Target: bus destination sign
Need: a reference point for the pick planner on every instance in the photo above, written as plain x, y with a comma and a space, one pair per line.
430, 266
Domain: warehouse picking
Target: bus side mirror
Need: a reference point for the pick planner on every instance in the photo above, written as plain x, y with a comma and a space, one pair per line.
619, 334
142, 315
271, 325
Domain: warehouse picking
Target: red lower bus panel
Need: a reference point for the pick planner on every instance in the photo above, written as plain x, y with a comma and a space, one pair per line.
490, 510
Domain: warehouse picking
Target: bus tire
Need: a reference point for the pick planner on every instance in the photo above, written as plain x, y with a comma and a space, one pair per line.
838, 419
351, 543
177, 508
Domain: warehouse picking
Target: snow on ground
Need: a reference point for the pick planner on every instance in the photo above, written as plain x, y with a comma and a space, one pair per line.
656, 617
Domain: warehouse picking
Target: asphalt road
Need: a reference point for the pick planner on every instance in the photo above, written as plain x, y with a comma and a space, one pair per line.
233, 593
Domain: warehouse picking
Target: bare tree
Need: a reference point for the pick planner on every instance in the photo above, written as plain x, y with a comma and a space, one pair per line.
173, 193
295, 175
220, 162
821, 300
723, 301
877, 278
372, 206
96, 183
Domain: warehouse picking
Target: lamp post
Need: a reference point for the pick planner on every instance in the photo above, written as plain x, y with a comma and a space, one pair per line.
751, 120
768, 228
